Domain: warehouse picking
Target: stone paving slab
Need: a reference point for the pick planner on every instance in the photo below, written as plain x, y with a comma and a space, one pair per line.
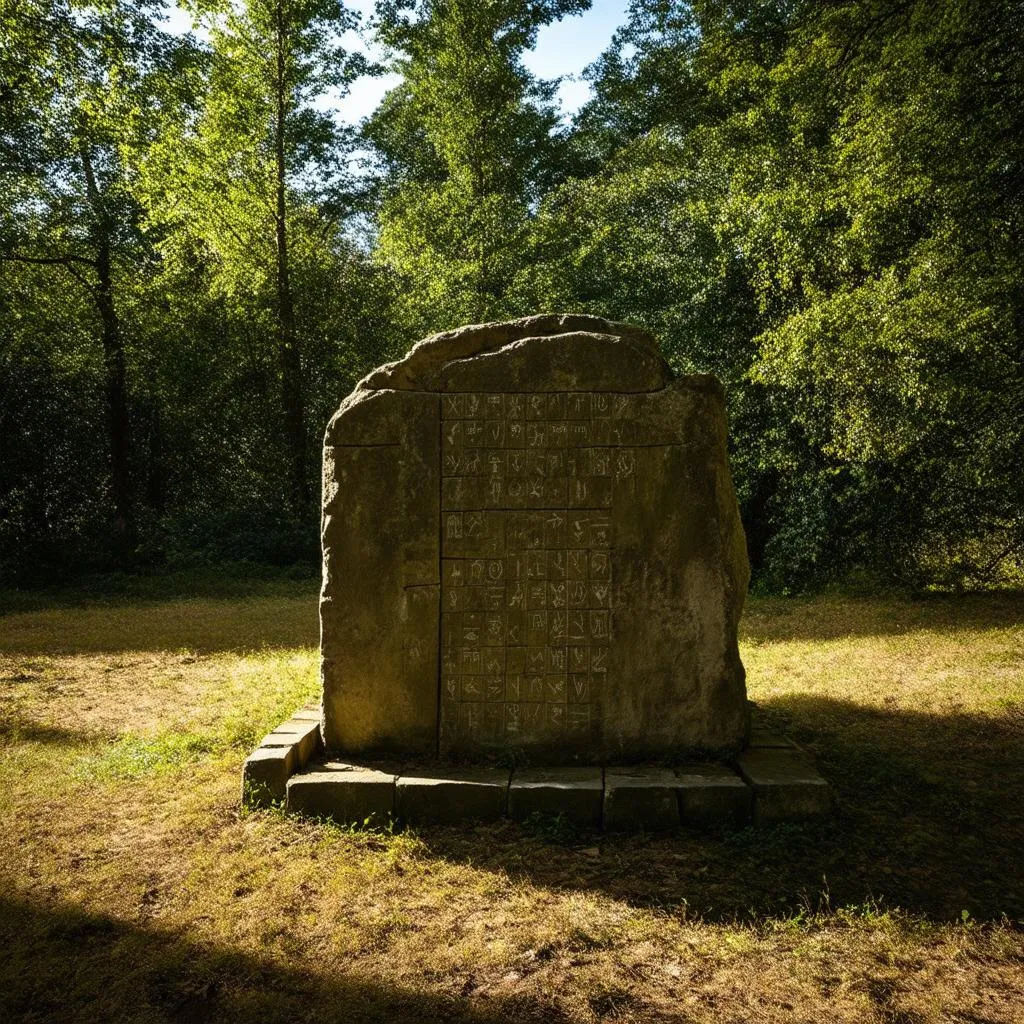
349, 794
303, 735
574, 793
786, 785
712, 795
265, 775
762, 738
642, 798
449, 796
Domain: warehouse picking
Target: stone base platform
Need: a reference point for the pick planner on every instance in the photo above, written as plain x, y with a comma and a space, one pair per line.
771, 782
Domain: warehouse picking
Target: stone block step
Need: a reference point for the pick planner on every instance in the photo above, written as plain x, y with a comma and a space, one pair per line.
640, 799
776, 781
281, 753
786, 785
348, 794
576, 794
712, 795
448, 796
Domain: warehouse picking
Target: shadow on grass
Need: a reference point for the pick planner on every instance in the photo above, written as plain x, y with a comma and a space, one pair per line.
14, 729
202, 625
928, 817
63, 964
773, 619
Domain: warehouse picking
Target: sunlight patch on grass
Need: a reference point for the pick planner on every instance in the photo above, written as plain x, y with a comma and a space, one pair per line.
134, 757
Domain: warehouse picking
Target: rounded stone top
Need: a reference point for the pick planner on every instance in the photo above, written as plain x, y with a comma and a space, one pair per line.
551, 351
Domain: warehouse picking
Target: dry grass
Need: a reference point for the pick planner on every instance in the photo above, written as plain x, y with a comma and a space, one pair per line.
135, 889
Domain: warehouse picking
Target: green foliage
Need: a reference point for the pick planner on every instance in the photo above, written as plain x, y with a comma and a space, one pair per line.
469, 141
818, 202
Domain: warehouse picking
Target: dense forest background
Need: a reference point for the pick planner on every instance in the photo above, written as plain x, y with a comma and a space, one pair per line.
820, 202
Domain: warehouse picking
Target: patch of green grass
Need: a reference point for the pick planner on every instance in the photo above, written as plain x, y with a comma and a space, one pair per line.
135, 757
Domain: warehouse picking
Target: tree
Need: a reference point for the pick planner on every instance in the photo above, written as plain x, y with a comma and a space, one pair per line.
84, 82
468, 144
262, 173
820, 203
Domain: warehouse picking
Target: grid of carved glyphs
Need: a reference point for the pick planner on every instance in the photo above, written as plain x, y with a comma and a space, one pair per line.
527, 486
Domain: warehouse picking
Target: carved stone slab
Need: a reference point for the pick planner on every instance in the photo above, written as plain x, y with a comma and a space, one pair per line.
531, 544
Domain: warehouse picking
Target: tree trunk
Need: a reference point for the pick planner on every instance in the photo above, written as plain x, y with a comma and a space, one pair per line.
118, 426
293, 407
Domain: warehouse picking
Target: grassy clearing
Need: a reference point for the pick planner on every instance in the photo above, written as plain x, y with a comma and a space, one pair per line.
135, 889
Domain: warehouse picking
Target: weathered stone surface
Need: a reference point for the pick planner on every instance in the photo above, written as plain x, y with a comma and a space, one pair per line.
558, 363
531, 543
309, 714
346, 793
786, 785
451, 795
641, 798
419, 370
763, 738
712, 795
304, 736
577, 794
265, 775
381, 575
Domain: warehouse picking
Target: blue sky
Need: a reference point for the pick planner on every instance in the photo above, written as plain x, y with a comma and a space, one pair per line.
563, 49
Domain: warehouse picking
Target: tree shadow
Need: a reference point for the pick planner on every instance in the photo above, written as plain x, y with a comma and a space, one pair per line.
773, 619
15, 729
928, 817
203, 625
65, 964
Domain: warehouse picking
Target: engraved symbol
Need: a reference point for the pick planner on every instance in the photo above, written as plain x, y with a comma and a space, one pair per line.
558, 626
474, 524
517, 598
453, 528
625, 463
579, 529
